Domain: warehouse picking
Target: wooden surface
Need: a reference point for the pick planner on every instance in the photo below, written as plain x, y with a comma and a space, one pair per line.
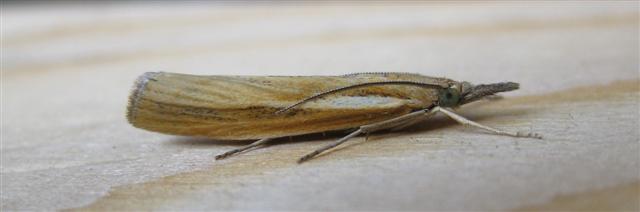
67, 71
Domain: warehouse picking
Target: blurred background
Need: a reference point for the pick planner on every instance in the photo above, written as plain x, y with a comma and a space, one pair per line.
67, 69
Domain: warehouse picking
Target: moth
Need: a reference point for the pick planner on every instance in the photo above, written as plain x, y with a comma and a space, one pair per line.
263, 108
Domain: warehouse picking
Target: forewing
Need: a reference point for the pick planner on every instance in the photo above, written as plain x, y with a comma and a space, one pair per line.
243, 107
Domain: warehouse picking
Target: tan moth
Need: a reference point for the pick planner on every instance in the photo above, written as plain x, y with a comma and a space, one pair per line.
268, 107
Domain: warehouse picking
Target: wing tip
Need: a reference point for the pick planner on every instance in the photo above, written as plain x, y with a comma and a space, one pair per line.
137, 93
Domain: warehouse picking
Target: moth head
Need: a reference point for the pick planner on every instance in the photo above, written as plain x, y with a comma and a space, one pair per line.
462, 93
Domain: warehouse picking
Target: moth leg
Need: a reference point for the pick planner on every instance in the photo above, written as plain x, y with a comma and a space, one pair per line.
330, 146
414, 121
242, 149
467, 122
387, 124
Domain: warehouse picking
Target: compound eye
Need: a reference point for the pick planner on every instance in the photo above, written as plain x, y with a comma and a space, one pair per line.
449, 97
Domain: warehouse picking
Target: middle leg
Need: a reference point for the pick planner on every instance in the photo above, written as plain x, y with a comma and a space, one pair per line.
388, 124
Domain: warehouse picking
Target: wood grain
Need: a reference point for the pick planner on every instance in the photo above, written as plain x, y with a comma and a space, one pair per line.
67, 71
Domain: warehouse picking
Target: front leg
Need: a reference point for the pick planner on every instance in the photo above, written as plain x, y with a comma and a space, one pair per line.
467, 122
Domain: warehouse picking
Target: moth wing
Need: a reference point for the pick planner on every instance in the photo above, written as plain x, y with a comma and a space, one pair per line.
339, 113
242, 107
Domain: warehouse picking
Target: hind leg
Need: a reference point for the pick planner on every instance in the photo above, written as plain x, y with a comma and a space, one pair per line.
242, 149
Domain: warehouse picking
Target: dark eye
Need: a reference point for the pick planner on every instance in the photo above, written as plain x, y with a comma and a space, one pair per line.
449, 97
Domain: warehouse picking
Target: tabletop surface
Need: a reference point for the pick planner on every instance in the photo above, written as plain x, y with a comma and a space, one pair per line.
67, 71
